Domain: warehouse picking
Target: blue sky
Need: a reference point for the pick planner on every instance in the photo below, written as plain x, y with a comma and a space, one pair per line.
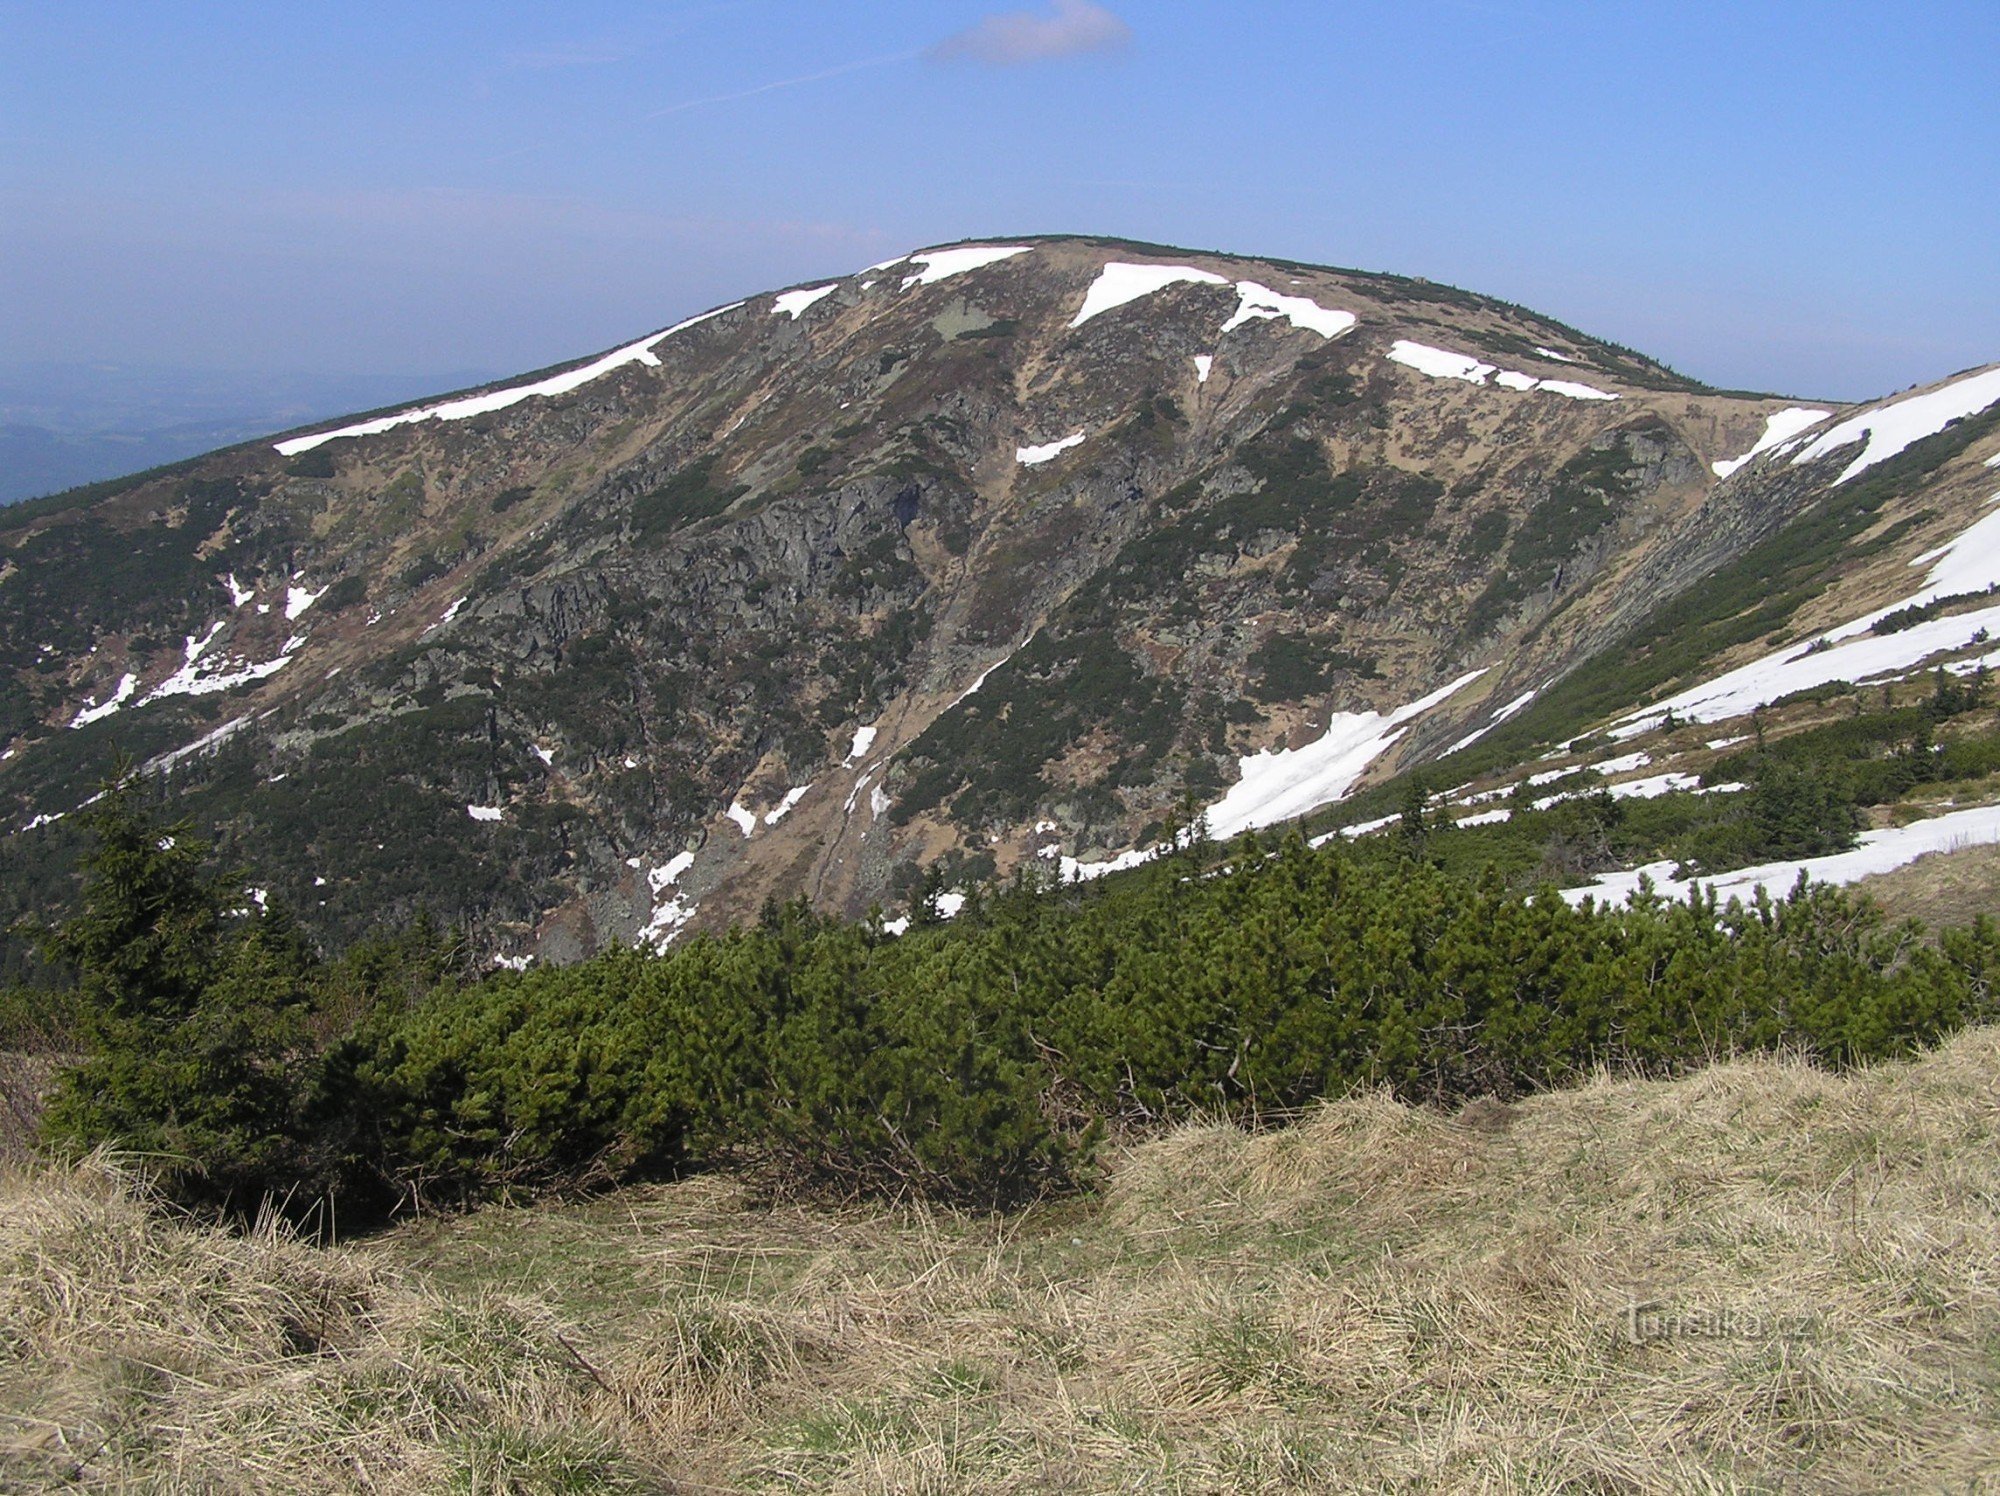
1784, 195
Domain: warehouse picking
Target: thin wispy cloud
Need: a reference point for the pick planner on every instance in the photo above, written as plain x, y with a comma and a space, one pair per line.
1012, 38
570, 56
776, 84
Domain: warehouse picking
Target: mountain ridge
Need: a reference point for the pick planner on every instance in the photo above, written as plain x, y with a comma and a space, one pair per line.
1066, 568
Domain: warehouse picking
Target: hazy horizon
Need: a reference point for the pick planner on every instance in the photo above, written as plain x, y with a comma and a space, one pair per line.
1783, 197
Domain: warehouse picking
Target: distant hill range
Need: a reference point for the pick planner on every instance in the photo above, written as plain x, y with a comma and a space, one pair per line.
63, 425
999, 556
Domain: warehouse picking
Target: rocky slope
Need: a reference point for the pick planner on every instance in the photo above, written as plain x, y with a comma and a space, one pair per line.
997, 555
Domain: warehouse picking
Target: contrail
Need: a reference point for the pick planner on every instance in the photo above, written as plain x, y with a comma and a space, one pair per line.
764, 88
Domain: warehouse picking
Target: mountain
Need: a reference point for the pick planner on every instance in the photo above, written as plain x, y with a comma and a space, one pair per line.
62, 425
1000, 555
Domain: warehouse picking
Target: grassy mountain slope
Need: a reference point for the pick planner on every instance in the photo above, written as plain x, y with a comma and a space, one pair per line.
1377, 1298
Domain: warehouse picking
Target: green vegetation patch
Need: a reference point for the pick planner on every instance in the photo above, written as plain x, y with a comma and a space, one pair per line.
688, 497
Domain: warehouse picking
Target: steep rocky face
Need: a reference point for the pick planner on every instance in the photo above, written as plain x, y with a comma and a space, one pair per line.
956, 563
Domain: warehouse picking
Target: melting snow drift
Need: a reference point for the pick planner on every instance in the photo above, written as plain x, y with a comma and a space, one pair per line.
1779, 428
1119, 283
1878, 852
1288, 782
1034, 456
640, 352
1902, 423
1442, 363
793, 304
940, 264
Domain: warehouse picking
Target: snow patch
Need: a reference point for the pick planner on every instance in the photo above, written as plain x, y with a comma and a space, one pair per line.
940, 264
746, 821
1033, 456
668, 873
298, 599
1902, 423
1878, 851
1968, 563
1439, 363
201, 676
1204, 365
1779, 427
1261, 304
1561, 358
1279, 785
1513, 379
513, 963
238, 593
127, 684
640, 352
1625, 764
1073, 871
1518, 704
213, 739
483, 812
1118, 283
784, 806
878, 803
1573, 391
1486, 818
864, 739
1359, 829
1654, 787
794, 303
980, 679
547, 756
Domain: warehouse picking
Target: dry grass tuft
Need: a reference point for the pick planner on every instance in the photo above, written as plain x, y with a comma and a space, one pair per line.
1759, 1277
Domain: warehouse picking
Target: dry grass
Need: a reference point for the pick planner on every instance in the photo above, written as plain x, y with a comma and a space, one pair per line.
1379, 1298
1945, 888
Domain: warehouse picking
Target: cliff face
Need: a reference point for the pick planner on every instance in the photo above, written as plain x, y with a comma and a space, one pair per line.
976, 559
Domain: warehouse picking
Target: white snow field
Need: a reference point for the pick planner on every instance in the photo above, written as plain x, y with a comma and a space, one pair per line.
784, 807
1968, 563
1204, 365
671, 913
941, 264
864, 739
1287, 782
298, 599
1261, 304
127, 684
1035, 456
1118, 283
1442, 363
1879, 852
199, 675
1517, 705
640, 352
794, 304
746, 820
1439, 363
1902, 423
1779, 428
484, 812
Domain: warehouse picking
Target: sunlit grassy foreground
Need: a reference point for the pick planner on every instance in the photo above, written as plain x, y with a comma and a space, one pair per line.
1759, 1277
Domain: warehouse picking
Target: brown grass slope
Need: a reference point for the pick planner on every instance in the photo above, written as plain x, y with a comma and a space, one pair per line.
1378, 1298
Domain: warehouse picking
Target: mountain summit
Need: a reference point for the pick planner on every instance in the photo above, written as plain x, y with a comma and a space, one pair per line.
996, 556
